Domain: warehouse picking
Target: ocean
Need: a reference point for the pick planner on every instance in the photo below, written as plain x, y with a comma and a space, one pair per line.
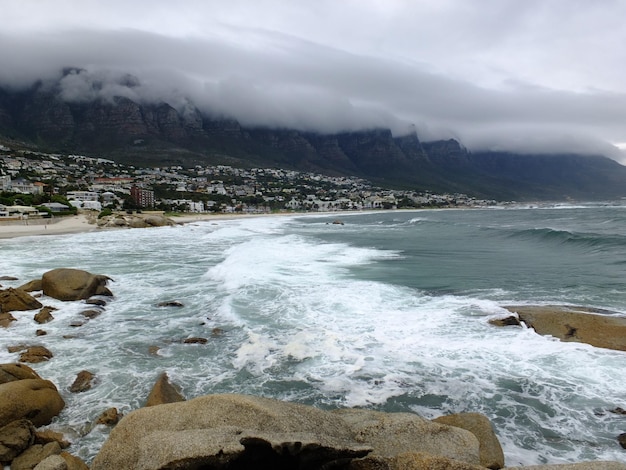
388, 311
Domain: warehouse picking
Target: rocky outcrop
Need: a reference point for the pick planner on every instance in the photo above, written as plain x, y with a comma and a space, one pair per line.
44, 315
13, 300
491, 454
34, 399
73, 284
135, 221
164, 392
32, 286
579, 324
252, 432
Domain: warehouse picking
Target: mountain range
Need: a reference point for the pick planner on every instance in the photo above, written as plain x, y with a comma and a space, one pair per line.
157, 134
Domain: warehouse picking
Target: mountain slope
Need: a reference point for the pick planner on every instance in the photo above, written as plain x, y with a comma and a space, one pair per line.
158, 134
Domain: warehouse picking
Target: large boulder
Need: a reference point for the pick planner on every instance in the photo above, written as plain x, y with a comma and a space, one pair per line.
242, 431
164, 392
34, 399
12, 300
31, 457
491, 454
391, 434
73, 284
217, 429
578, 324
13, 372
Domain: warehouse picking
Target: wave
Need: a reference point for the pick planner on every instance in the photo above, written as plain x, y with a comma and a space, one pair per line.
582, 239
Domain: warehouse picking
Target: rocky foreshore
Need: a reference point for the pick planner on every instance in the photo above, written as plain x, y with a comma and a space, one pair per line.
227, 431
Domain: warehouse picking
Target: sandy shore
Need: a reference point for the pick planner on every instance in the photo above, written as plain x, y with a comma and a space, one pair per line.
80, 223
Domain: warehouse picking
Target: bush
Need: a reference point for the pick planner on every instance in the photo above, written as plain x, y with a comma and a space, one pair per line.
105, 212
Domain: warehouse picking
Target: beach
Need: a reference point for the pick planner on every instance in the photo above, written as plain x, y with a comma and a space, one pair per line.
84, 223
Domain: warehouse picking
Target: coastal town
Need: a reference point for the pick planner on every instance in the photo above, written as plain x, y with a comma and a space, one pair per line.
35, 184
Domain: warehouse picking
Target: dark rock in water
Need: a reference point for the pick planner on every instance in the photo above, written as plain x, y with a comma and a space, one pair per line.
217, 332
619, 411
170, 303
44, 315
16, 348
15, 438
91, 314
109, 417
41, 333
83, 382
73, 284
622, 440
195, 341
6, 319
8, 278
13, 372
34, 399
579, 324
98, 302
511, 320
164, 392
17, 300
154, 350
337, 222
35, 354
77, 324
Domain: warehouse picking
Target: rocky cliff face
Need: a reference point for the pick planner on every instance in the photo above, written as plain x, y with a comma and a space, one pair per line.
158, 133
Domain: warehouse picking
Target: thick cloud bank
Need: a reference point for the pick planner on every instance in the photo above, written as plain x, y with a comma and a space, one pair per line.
376, 72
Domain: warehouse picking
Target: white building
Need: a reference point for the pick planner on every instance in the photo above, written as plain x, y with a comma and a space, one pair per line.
82, 195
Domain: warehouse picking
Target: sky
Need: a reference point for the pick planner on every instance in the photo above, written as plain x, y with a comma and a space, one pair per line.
516, 75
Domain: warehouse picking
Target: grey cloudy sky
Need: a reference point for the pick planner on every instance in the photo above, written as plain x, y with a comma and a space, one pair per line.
530, 75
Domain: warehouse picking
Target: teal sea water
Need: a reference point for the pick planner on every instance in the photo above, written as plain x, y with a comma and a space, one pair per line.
388, 311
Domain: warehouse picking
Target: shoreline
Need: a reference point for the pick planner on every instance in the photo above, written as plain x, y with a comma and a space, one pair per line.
81, 223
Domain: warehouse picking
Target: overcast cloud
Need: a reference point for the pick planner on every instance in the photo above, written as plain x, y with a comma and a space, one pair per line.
532, 75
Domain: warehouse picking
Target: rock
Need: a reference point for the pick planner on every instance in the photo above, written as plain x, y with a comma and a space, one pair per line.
337, 222
6, 319
618, 411
45, 436
578, 324
412, 461
35, 354
215, 332
109, 417
491, 454
164, 392
195, 340
83, 382
41, 333
154, 350
8, 278
98, 302
219, 429
13, 372
391, 434
44, 315
32, 286
170, 303
15, 438
73, 462
12, 300
158, 221
34, 399
52, 462
77, 324
91, 314
510, 320
17, 348
31, 457
622, 440
73, 284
